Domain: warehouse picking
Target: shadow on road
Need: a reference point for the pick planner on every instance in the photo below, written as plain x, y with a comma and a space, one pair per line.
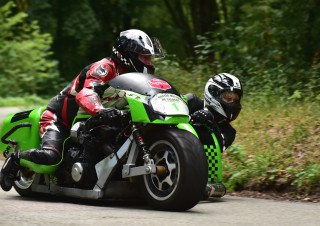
114, 203
137, 204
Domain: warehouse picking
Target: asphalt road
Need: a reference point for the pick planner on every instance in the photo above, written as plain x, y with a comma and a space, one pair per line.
229, 210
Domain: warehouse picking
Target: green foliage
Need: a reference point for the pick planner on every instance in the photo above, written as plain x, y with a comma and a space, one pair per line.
271, 45
79, 26
236, 159
84, 31
25, 66
185, 81
308, 178
267, 50
277, 148
31, 101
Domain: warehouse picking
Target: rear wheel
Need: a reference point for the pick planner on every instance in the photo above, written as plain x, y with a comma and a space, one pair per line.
182, 171
23, 184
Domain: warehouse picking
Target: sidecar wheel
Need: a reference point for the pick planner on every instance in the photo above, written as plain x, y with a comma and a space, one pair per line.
183, 178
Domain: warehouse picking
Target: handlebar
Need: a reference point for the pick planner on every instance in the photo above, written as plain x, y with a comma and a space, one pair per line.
122, 120
12, 130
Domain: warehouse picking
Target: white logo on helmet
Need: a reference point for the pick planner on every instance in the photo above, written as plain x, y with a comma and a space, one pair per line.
235, 80
140, 37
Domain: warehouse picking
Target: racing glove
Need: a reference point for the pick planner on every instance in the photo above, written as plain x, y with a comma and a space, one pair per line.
109, 116
106, 116
203, 116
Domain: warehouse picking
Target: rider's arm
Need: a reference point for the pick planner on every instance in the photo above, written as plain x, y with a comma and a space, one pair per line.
96, 81
194, 102
229, 134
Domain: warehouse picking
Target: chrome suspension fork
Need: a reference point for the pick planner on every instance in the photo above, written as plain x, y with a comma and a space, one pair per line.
141, 144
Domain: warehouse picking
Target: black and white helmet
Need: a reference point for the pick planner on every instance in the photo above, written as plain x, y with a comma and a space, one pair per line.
133, 49
222, 96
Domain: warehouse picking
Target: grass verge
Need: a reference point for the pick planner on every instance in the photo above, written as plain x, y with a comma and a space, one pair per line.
277, 149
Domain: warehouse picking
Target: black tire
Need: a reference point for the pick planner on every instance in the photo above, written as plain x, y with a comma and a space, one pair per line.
184, 182
6, 184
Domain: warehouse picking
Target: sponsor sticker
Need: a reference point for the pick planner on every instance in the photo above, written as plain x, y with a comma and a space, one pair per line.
159, 84
169, 104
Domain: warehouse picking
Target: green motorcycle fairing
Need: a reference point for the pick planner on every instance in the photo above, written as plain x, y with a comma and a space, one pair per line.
151, 99
27, 137
142, 111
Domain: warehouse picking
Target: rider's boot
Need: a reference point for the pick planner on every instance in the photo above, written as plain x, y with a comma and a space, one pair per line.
11, 166
9, 172
42, 156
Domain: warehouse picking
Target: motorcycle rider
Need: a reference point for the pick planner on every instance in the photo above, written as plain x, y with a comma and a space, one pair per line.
88, 92
221, 105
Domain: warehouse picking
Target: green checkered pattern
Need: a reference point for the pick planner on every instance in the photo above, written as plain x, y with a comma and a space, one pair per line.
214, 163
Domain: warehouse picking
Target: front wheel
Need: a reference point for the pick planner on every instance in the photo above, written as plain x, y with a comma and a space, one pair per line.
181, 179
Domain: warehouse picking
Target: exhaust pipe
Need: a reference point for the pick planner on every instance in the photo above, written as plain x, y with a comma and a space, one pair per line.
216, 190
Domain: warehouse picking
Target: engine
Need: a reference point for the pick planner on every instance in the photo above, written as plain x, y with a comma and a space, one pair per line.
77, 170
85, 149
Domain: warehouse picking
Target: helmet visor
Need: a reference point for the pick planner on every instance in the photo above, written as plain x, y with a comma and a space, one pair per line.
152, 48
229, 97
158, 51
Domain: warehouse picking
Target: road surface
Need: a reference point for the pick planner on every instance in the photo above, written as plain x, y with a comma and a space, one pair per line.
229, 210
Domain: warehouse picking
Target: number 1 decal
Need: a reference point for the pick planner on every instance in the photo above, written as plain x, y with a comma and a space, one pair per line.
175, 106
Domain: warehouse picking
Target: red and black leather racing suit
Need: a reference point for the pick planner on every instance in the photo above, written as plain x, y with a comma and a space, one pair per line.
83, 93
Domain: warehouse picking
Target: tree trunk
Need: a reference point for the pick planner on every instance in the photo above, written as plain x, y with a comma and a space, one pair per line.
194, 18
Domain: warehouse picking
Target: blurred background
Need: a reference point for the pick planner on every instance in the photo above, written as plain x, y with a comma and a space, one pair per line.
273, 46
